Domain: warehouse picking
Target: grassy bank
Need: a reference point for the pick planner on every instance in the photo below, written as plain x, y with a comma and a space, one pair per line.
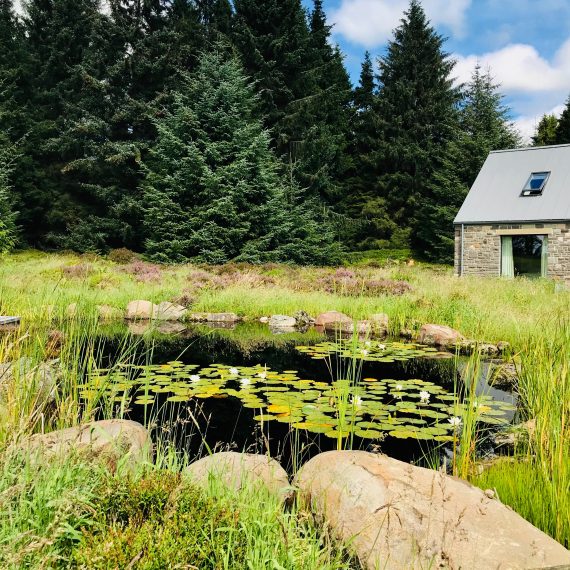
37, 286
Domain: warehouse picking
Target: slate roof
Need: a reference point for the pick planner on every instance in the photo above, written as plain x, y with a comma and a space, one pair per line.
496, 193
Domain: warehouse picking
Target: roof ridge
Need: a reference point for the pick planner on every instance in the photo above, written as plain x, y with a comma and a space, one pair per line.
525, 148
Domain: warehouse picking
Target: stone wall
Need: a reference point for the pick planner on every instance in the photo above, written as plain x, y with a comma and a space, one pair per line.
482, 247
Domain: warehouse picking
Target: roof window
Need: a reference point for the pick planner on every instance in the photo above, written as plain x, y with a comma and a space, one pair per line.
535, 184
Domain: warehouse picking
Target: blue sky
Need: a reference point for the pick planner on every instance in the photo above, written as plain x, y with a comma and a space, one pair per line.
526, 43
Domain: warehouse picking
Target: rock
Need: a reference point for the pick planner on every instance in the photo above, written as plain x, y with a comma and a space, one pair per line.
515, 435
213, 317
108, 313
235, 469
108, 440
303, 319
364, 328
439, 335
264, 320
488, 349
380, 322
504, 375
397, 516
282, 322
166, 311
503, 347
333, 320
40, 378
407, 333
140, 310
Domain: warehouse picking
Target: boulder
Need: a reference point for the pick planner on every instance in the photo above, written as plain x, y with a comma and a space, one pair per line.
303, 319
364, 328
282, 322
166, 311
439, 335
333, 320
40, 378
234, 470
264, 320
108, 313
397, 516
380, 322
140, 310
108, 440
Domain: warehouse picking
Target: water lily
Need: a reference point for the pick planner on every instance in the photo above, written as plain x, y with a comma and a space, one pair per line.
195, 378
356, 401
262, 375
424, 397
364, 352
399, 387
382, 346
368, 343
233, 371
455, 421
245, 381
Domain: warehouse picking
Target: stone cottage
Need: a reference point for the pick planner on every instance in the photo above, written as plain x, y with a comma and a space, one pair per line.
516, 218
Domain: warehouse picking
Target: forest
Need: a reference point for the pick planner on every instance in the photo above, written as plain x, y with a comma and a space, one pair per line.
210, 131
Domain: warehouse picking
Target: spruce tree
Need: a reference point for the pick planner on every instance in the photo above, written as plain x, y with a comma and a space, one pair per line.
563, 128
545, 132
7, 215
212, 192
417, 113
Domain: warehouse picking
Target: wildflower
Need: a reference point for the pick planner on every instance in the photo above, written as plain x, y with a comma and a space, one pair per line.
399, 387
455, 421
382, 346
195, 378
368, 343
262, 375
245, 381
356, 401
424, 397
233, 371
364, 352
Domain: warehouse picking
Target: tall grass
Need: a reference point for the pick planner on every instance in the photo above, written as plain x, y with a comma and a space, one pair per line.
536, 483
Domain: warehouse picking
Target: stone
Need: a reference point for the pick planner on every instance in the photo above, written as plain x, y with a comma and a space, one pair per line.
364, 328
140, 310
264, 320
488, 349
234, 470
213, 317
407, 333
167, 311
400, 517
515, 434
282, 322
41, 378
303, 319
503, 346
380, 322
439, 335
108, 313
333, 320
111, 441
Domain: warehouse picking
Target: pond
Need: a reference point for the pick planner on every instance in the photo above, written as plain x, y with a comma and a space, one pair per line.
297, 395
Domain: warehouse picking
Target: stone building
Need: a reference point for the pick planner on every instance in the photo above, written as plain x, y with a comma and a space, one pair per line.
516, 218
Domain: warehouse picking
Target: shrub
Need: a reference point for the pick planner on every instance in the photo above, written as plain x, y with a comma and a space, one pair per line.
80, 271
122, 256
143, 271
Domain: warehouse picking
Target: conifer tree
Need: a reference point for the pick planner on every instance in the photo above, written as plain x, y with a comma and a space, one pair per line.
545, 132
212, 191
7, 215
563, 128
417, 112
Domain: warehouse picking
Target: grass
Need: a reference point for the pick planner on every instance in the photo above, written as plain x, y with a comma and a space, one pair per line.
40, 286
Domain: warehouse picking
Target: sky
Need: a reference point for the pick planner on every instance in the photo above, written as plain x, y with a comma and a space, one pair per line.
526, 44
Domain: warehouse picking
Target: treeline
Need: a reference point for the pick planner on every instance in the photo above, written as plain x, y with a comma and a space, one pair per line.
207, 130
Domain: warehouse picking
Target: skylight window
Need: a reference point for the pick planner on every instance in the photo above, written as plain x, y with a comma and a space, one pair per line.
535, 184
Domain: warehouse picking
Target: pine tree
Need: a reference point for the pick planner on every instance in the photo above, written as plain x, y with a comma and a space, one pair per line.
545, 132
417, 112
563, 128
212, 191
216, 16
7, 215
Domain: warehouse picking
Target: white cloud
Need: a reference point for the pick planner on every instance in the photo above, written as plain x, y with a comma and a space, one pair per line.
370, 22
520, 68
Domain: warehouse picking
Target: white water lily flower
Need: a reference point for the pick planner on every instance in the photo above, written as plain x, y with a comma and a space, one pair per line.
195, 378
424, 397
356, 401
233, 371
368, 343
455, 421
476, 404
262, 375
399, 387
245, 381
364, 352
382, 346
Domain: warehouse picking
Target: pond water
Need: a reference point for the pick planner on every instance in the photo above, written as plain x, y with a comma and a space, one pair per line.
297, 395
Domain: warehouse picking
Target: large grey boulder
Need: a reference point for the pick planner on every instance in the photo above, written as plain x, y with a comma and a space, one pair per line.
440, 335
140, 310
167, 311
400, 517
236, 470
110, 441
282, 323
